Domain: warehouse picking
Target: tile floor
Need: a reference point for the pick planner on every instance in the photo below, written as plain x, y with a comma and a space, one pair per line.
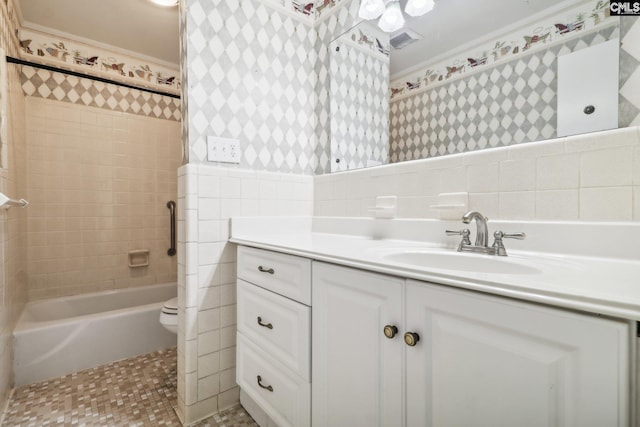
140, 391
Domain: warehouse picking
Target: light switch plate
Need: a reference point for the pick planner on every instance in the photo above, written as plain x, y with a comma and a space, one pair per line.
225, 150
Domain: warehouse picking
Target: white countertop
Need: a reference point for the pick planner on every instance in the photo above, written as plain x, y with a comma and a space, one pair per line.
586, 280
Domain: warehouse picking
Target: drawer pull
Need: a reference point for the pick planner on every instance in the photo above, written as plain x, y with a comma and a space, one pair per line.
264, 325
266, 387
265, 270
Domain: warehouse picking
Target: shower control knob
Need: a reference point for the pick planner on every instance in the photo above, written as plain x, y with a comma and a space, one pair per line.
411, 339
390, 331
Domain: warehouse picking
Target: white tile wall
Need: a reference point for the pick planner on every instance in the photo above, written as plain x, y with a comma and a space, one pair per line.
593, 177
98, 182
207, 197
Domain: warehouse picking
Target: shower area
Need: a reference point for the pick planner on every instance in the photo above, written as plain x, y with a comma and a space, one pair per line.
98, 182
91, 139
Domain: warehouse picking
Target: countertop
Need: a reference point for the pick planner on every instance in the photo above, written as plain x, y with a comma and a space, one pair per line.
596, 284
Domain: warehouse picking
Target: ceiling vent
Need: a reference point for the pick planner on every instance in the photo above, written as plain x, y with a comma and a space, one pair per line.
404, 38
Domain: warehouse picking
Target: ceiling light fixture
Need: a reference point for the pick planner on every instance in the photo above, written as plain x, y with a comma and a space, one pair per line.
371, 9
166, 3
391, 18
419, 7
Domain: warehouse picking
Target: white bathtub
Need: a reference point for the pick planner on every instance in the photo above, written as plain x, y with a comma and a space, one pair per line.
63, 335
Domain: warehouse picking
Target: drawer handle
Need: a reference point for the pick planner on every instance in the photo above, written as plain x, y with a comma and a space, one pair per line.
266, 387
265, 270
264, 325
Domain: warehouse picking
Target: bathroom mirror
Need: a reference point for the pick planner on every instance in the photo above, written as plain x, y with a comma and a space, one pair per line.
359, 69
474, 75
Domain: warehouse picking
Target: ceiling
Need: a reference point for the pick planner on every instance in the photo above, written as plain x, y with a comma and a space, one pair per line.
134, 25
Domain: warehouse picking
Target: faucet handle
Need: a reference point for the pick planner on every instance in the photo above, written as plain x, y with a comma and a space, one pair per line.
499, 235
498, 246
464, 233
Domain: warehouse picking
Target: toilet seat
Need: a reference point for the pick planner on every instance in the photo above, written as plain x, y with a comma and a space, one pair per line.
169, 315
171, 306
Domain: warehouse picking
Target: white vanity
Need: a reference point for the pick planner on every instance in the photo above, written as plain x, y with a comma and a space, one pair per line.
357, 322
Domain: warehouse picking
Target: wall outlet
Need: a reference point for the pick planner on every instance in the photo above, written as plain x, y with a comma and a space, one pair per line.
233, 152
224, 150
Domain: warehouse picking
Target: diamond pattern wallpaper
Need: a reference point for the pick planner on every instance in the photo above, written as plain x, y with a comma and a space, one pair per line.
359, 106
259, 73
629, 107
62, 87
251, 77
506, 104
339, 22
184, 78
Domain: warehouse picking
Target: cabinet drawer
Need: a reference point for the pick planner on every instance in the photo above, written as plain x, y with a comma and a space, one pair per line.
286, 275
283, 396
278, 325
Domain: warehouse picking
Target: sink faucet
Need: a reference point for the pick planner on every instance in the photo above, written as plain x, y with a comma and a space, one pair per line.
481, 227
482, 235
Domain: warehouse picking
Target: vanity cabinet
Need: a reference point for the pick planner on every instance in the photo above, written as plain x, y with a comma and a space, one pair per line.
273, 361
357, 371
489, 361
476, 360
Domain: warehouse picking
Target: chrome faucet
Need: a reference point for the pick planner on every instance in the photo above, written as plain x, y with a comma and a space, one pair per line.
482, 235
482, 238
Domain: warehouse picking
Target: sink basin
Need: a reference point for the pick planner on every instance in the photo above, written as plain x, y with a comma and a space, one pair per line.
461, 262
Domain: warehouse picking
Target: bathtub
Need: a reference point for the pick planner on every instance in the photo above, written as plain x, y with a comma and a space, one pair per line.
59, 336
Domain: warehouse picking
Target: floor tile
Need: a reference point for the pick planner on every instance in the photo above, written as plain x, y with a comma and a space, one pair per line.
140, 391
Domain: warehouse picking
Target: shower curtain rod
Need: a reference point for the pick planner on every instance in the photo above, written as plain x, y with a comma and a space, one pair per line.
18, 61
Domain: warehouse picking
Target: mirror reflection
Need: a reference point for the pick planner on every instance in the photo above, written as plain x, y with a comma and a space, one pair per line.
359, 67
527, 71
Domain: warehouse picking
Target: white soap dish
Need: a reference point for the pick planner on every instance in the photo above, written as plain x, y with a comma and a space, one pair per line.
385, 207
452, 205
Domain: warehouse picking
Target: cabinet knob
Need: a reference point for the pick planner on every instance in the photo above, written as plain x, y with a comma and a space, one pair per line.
390, 331
411, 338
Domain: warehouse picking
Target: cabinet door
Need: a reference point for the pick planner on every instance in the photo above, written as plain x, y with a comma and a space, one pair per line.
356, 376
486, 361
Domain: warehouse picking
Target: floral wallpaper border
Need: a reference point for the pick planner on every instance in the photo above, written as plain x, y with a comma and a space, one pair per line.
536, 35
309, 11
41, 47
369, 38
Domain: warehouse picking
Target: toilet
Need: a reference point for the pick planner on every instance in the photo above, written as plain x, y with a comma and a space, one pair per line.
169, 315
